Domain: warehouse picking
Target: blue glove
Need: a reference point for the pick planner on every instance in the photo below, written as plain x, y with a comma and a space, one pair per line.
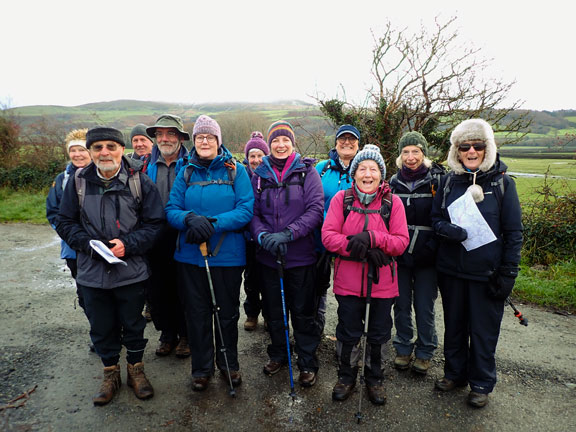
276, 243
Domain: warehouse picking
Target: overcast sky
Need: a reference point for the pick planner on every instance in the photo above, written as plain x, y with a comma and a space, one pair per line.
62, 52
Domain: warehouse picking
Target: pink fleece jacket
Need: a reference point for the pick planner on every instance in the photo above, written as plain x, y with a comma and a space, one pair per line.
350, 277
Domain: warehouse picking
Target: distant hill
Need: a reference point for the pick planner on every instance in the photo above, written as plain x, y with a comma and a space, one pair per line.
549, 128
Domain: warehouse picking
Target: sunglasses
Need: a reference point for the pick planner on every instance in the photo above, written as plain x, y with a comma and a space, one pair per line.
99, 147
477, 147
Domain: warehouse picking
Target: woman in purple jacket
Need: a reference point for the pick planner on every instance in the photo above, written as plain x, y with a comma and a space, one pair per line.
288, 206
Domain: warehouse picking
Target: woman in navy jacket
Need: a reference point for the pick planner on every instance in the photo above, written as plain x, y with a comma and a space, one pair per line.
475, 283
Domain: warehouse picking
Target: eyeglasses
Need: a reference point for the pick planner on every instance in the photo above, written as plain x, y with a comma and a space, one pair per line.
350, 139
477, 147
200, 139
170, 134
99, 147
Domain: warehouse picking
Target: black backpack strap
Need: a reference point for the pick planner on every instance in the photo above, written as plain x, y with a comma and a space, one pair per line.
80, 187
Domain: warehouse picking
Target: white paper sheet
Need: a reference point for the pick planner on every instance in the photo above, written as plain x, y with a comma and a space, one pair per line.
105, 252
464, 213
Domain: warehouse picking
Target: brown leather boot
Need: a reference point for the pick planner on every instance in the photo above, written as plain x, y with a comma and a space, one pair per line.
110, 385
138, 381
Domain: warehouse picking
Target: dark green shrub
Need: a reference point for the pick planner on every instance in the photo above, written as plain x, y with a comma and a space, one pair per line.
549, 227
30, 177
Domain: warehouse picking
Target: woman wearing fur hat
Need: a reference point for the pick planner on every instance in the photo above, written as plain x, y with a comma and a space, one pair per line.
416, 183
475, 283
211, 202
288, 207
79, 158
254, 150
365, 232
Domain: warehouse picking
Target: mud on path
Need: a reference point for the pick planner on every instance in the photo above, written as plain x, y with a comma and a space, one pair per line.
44, 346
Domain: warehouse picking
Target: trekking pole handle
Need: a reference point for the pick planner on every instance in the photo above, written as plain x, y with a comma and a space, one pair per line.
204, 249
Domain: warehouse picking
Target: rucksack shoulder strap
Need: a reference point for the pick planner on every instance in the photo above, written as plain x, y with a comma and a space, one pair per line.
135, 186
80, 187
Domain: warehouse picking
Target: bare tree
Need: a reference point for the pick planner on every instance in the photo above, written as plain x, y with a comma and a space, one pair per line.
428, 82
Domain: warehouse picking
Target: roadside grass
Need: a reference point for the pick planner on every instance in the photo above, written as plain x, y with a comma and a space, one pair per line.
553, 286
23, 206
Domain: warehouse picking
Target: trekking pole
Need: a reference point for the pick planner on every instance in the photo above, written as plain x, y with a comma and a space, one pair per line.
280, 262
517, 313
216, 309
363, 339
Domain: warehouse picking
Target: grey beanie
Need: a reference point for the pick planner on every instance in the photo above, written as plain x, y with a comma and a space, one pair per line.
372, 152
169, 121
100, 133
413, 138
139, 129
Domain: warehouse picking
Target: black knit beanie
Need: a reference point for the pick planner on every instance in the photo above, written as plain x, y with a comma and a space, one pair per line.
100, 133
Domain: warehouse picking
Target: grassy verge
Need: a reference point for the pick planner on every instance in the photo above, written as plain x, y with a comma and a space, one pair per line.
553, 286
23, 206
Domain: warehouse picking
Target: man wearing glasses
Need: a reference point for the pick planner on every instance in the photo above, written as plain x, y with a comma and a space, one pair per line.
109, 200
167, 158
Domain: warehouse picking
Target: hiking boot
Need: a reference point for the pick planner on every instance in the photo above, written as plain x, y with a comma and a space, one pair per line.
251, 323
444, 384
147, 312
110, 385
376, 394
307, 378
402, 362
421, 366
272, 367
477, 400
138, 381
234, 375
341, 391
165, 348
182, 349
200, 383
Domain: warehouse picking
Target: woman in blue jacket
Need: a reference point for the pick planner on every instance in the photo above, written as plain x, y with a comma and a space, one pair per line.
210, 202
335, 175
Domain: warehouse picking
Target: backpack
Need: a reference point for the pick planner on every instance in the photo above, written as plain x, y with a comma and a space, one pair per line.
497, 185
283, 184
230, 169
134, 183
385, 209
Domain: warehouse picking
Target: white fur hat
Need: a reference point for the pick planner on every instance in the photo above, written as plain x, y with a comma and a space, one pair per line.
470, 130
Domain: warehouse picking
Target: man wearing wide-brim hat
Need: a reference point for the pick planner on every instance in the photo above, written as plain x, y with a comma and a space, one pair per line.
168, 156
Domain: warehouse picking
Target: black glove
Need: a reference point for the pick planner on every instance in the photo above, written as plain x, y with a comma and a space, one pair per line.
200, 229
378, 258
358, 244
450, 231
501, 282
276, 243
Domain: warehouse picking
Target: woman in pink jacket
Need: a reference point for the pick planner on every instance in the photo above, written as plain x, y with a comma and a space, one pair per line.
365, 226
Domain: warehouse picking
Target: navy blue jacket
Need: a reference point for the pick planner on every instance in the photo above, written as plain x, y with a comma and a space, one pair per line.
502, 213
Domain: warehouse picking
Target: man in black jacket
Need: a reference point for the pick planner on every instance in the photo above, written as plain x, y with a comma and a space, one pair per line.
111, 201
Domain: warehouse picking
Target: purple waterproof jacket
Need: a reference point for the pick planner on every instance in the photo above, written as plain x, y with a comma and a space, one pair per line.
296, 203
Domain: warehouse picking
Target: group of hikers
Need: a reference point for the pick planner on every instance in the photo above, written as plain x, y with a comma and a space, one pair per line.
191, 227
